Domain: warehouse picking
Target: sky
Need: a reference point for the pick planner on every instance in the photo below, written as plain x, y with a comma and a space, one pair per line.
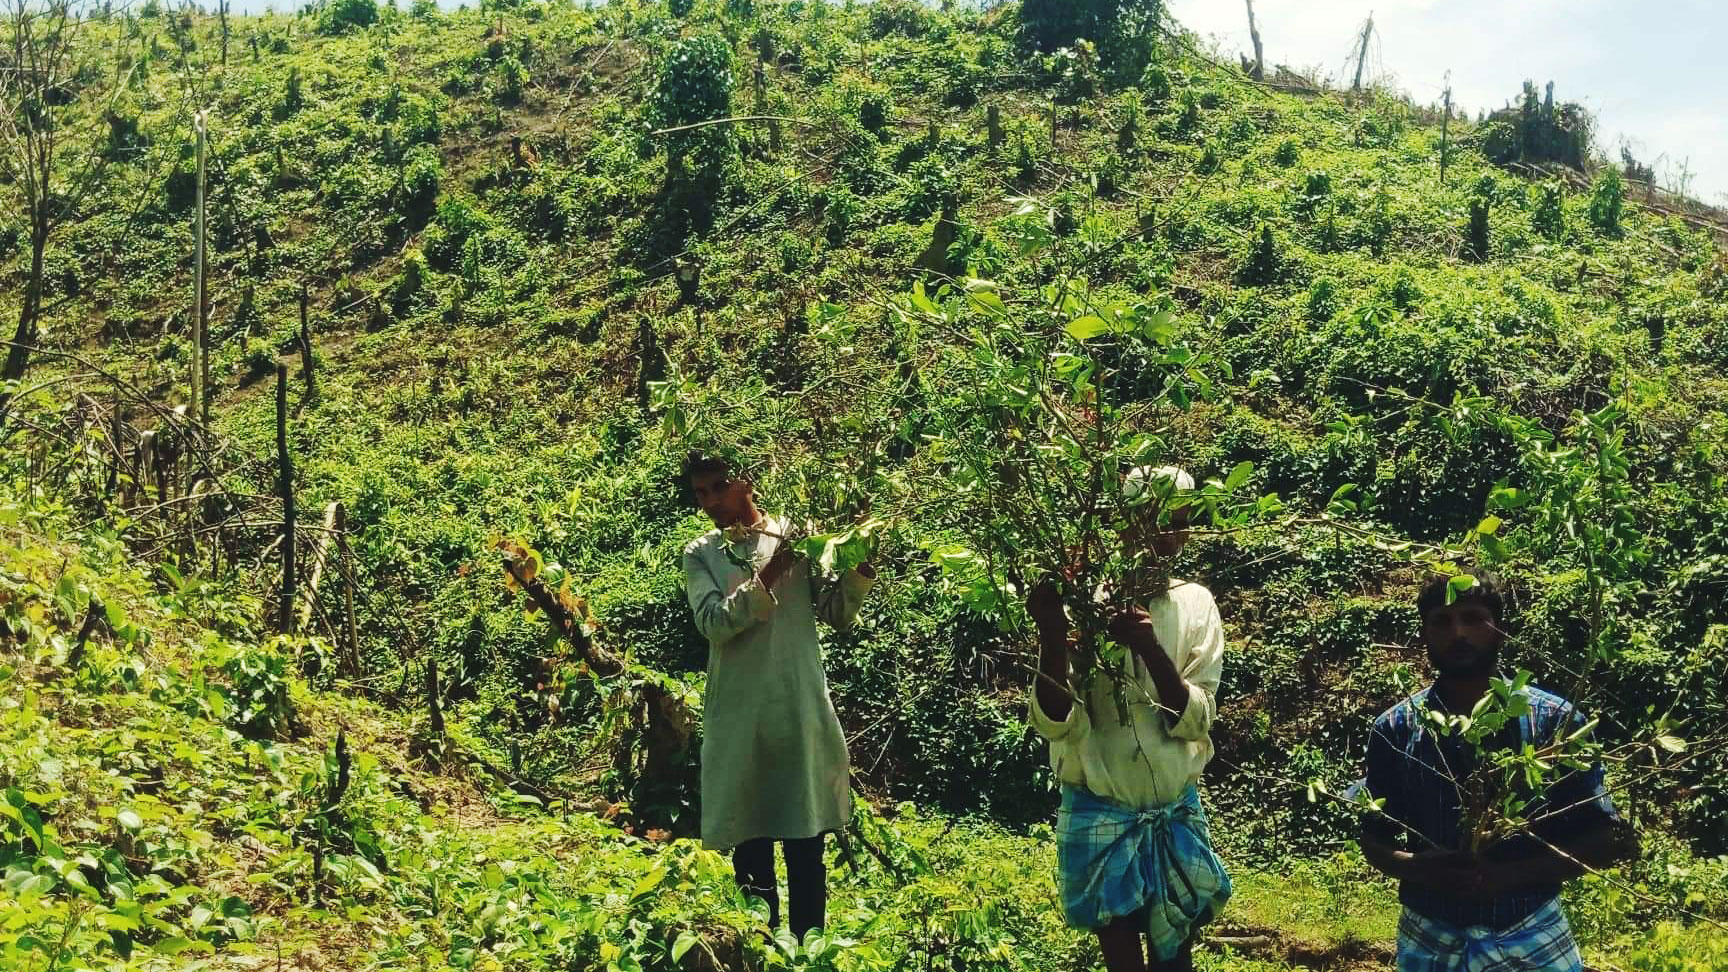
1650, 70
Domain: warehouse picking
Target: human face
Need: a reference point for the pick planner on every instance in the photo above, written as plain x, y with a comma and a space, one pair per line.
725, 499
1463, 639
1163, 542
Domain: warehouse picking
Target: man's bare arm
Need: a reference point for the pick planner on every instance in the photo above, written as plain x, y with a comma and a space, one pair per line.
1052, 691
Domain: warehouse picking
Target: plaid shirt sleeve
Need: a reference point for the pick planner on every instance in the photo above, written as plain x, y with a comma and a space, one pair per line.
1385, 757
1579, 801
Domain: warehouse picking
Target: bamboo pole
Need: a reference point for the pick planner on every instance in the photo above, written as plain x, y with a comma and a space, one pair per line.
1446, 131
200, 288
352, 649
285, 487
333, 522
306, 345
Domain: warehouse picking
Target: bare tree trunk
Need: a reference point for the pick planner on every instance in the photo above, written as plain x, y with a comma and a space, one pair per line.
1259, 52
1362, 53
352, 632
285, 485
1446, 133
306, 346
24, 336
201, 303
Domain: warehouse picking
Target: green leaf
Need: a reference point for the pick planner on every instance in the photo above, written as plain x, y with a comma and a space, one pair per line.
1458, 585
129, 819
1159, 327
988, 302
686, 941
1238, 475
1673, 744
648, 883
1087, 328
921, 301
1489, 526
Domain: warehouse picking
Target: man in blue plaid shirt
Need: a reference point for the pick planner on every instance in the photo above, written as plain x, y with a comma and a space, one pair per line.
1497, 910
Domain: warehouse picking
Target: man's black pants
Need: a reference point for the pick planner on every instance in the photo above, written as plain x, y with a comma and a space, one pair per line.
806, 879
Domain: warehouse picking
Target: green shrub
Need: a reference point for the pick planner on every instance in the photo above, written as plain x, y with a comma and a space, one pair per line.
873, 111
257, 693
905, 18
422, 171
456, 221
341, 16
1155, 83
417, 121
1263, 265
511, 79
694, 84
1288, 153
1549, 220
1608, 201
409, 285
293, 93
1477, 245
1121, 29
1322, 300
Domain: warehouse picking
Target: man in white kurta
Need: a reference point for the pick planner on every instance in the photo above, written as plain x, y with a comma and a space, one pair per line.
774, 764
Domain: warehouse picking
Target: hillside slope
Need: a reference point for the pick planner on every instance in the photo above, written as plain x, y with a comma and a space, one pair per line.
491, 233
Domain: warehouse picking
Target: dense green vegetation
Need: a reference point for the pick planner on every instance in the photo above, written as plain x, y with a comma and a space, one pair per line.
527, 299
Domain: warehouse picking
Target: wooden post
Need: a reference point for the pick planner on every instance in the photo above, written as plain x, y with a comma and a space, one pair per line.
434, 710
200, 313
222, 10
285, 488
352, 652
115, 427
1446, 131
306, 346
147, 463
993, 124
320, 556
1259, 72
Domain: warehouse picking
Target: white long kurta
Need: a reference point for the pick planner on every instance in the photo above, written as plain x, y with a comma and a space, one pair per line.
773, 756
1146, 763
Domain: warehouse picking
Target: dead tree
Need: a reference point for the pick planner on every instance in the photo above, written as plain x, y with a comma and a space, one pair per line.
1362, 54
666, 721
52, 152
1259, 71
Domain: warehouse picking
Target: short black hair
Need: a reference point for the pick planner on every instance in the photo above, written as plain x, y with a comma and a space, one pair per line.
1488, 591
699, 463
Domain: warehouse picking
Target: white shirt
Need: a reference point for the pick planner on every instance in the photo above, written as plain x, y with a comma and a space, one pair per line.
1146, 763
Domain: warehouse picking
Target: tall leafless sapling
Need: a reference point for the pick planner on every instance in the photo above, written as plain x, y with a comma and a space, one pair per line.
60, 74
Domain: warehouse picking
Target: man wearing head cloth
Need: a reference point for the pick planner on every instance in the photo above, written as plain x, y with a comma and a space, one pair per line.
1134, 853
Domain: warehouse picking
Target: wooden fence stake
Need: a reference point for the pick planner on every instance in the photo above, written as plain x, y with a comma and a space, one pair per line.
200, 290
306, 347
320, 556
285, 488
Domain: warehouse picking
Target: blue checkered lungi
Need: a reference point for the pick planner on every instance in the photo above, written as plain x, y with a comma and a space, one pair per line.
1115, 861
1540, 943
